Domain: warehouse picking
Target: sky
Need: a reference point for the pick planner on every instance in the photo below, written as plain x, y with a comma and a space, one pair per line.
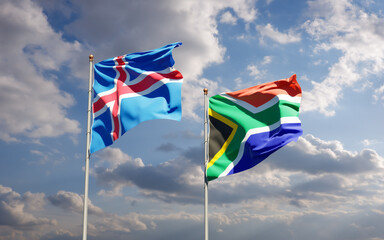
149, 183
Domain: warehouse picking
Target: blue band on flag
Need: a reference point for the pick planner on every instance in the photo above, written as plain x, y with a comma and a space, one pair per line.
259, 146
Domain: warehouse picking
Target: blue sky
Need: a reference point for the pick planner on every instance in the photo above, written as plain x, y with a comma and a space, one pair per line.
149, 184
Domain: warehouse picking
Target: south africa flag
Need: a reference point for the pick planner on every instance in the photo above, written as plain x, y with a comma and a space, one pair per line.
248, 125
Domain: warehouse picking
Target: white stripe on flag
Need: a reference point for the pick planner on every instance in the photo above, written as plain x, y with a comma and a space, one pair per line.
252, 131
266, 105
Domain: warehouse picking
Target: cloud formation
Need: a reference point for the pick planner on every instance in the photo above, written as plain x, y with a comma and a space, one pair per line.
311, 183
73, 202
35, 106
170, 181
181, 21
357, 35
18, 214
13, 209
311, 179
301, 172
315, 156
268, 31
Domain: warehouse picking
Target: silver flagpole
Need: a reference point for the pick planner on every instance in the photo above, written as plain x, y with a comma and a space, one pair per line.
205, 165
87, 154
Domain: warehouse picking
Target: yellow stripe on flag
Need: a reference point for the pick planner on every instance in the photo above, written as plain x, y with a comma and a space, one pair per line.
225, 145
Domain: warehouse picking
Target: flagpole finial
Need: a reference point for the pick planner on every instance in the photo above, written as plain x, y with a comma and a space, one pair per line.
205, 91
90, 57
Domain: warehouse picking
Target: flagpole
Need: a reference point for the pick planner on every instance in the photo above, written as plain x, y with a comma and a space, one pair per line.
205, 165
87, 154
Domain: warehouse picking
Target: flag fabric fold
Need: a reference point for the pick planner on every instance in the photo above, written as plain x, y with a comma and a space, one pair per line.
248, 125
133, 88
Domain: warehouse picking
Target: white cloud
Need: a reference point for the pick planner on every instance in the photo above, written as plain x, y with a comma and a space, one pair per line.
228, 18
105, 225
255, 72
33, 105
15, 210
268, 31
370, 142
99, 221
239, 83
378, 95
266, 60
340, 25
310, 179
311, 173
328, 157
169, 181
192, 22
